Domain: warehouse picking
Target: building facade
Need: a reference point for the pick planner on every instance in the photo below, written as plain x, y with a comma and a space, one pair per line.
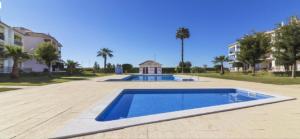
150, 67
8, 37
268, 64
29, 41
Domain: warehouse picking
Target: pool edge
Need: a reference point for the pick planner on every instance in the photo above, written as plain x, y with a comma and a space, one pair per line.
85, 124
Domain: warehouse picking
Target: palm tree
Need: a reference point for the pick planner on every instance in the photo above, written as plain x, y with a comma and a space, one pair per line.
221, 60
105, 53
47, 53
17, 54
72, 66
182, 33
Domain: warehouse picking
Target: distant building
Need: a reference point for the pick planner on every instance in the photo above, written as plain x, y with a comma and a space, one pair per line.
269, 63
29, 41
150, 67
8, 37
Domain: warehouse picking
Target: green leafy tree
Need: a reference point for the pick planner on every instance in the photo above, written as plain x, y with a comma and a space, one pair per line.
254, 48
220, 60
287, 45
105, 53
17, 54
204, 67
182, 33
72, 66
96, 67
47, 54
238, 65
186, 67
127, 67
186, 64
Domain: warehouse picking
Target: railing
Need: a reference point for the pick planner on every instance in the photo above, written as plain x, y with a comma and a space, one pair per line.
5, 70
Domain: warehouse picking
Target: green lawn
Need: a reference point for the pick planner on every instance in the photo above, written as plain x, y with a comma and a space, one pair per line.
44, 79
267, 78
7, 89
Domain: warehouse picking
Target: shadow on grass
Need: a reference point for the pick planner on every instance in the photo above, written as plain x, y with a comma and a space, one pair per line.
40, 80
7, 89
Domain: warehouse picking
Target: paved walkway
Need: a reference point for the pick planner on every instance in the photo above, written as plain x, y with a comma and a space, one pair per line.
37, 112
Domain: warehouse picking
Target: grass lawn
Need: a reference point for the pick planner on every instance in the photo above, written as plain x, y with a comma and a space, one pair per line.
267, 78
44, 79
7, 89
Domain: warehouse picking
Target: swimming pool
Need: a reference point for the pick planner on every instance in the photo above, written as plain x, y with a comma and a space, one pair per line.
154, 77
141, 102
131, 107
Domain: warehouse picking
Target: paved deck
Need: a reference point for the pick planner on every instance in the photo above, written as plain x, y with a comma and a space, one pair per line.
40, 111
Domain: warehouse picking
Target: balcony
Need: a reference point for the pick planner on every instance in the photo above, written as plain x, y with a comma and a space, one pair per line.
18, 42
2, 36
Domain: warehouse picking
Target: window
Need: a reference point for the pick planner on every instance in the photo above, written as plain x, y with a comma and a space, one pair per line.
1, 63
231, 50
18, 40
1, 35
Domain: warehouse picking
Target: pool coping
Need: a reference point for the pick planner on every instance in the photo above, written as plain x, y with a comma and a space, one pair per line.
178, 78
85, 123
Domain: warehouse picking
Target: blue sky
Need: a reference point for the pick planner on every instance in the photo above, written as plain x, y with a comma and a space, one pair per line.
138, 30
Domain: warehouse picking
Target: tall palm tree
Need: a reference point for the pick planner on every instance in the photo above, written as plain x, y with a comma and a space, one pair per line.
221, 60
105, 53
182, 33
17, 54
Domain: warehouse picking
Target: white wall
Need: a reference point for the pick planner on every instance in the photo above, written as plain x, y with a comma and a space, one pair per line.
30, 44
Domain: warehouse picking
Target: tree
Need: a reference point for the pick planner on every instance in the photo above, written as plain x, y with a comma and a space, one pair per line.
105, 53
17, 54
72, 66
186, 67
220, 60
186, 64
287, 45
238, 65
182, 33
47, 53
204, 67
254, 48
127, 67
96, 67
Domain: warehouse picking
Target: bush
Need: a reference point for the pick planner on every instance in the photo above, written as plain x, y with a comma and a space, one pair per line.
168, 70
197, 70
185, 70
127, 68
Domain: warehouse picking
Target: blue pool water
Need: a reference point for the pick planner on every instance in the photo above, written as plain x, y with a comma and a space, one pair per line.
141, 102
163, 77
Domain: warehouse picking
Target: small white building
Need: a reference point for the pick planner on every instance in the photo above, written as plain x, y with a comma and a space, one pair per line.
150, 67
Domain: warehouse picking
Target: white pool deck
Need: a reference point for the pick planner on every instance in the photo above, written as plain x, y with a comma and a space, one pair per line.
39, 112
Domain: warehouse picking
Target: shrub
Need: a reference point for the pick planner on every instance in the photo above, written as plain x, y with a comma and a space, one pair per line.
127, 68
169, 70
197, 70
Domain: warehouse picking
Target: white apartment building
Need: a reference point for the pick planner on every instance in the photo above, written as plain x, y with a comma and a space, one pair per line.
269, 63
8, 37
29, 41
